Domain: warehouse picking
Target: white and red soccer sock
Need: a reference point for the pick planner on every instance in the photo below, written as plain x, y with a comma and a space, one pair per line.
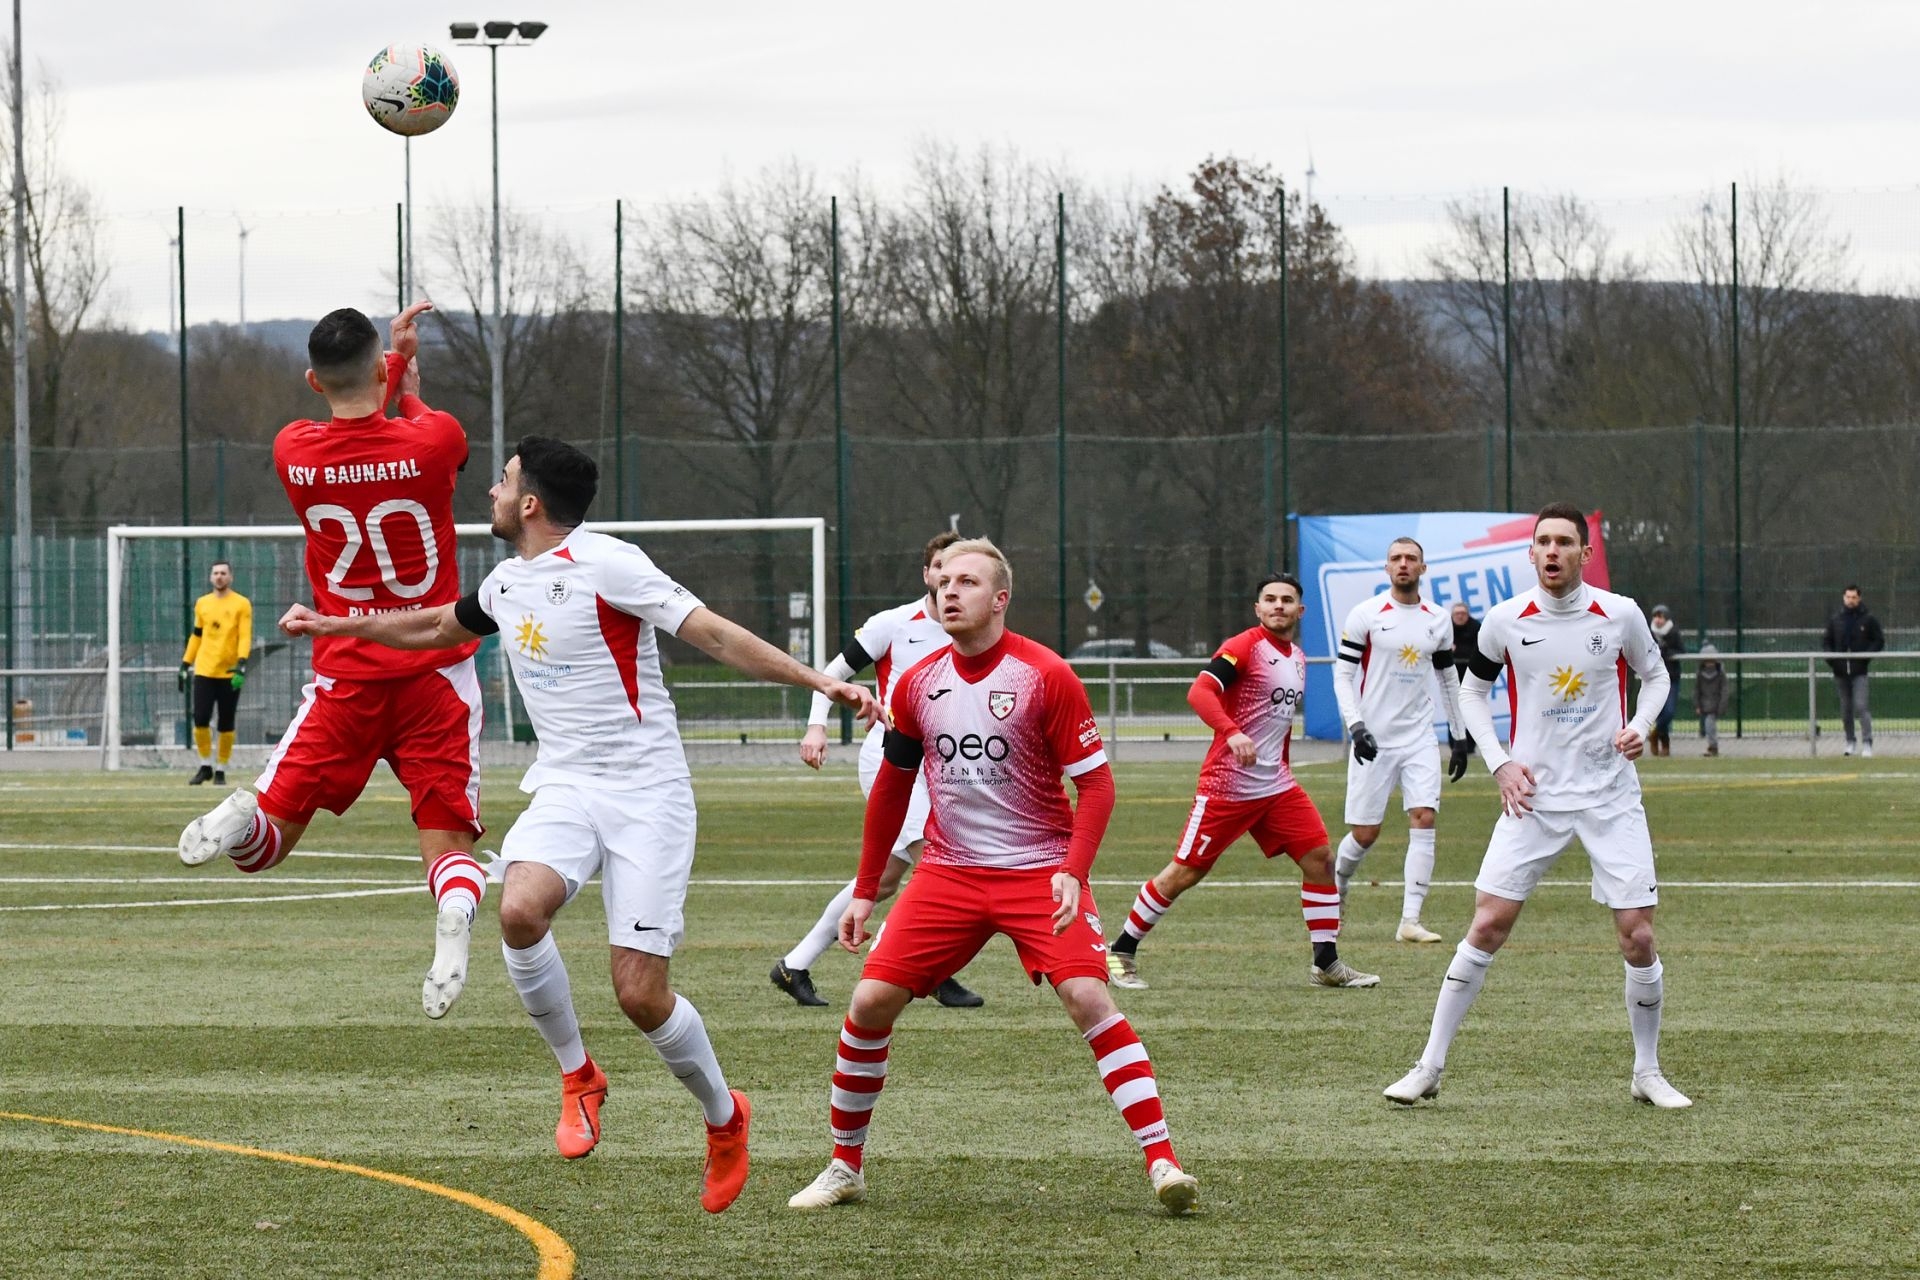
455, 879
859, 1073
262, 847
1127, 1073
1148, 906
1419, 874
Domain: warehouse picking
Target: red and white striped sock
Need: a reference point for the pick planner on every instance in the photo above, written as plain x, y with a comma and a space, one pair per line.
859, 1073
1320, 904
456, 878
260, 848
1148, 906
1128, 1075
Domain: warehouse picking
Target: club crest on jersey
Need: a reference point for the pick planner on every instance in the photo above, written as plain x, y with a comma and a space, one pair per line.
1596, 644
1000, 704
559, 591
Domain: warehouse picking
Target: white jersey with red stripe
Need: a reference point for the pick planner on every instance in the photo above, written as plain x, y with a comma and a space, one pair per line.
998, 730
1566, 663
1394, 645
1263, 682
578, 624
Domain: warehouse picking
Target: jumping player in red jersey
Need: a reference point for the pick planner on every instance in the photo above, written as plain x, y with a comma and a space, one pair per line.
376, 496
994, 720
1250, 695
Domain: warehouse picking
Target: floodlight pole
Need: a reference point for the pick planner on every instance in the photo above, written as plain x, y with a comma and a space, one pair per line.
21, 624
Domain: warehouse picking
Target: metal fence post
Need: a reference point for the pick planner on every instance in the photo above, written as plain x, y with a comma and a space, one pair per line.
1813, 712
1739, 532
1506, 328
620, 366
1286, 404
842, 550
186, 497
1060, 435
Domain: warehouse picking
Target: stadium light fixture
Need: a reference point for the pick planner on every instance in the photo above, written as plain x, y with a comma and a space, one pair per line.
497, 35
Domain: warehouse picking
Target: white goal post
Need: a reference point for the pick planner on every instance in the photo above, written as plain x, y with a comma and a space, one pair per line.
118, 536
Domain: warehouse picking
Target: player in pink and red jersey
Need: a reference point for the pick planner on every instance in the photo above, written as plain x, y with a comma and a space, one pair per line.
993, 721
1250, 695
376, 496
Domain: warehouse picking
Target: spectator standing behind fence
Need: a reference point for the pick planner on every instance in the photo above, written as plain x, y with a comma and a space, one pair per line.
215, 665
1667, 636
1710, 696
1853, 630
1466, 642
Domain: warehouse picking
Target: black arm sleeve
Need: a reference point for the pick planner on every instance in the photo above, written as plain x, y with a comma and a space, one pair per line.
901, 751
468, 613
1223, 671
856, 657
1483, 666
1442, 659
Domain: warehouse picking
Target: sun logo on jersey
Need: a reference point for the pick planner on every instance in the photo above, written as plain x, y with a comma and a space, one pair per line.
1409, 656
1569, 684
530, 639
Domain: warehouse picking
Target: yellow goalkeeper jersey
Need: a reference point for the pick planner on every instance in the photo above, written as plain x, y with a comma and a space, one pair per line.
222, 634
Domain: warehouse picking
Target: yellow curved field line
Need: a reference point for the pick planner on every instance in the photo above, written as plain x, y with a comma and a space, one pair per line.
556, 1255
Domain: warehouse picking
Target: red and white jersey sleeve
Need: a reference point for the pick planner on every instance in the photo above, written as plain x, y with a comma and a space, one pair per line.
1264, 697
578, 623
1396, 644
897, 638
999, 730
1567, 667
375, 495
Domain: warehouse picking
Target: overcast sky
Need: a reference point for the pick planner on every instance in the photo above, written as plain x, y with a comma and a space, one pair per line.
254, 107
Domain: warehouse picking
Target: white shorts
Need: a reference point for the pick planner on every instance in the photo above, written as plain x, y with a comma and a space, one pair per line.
639, 842
1415, 770
914, 829
1613, 832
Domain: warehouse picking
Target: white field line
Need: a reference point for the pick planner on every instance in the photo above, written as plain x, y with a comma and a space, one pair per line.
209, 902
206, 882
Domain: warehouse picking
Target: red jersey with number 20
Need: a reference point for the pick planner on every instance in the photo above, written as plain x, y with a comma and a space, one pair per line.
998, 729
375, 495
1263, 695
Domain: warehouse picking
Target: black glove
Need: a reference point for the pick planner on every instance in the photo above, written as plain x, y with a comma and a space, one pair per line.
1457, 763
186, 674
1364, 747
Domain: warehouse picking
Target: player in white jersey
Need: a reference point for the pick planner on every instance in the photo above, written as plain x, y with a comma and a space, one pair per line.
1394, 648
1566, 772
612, 796
890, 642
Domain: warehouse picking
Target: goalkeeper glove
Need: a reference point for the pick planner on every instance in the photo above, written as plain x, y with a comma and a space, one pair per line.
1364, 747
239, 675
1457, 764
186, 672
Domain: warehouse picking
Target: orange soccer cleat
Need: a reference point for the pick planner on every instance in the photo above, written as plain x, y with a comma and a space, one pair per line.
726, 1171
581, 1093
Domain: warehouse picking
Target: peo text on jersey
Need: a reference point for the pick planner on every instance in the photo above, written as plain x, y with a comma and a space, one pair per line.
355, 472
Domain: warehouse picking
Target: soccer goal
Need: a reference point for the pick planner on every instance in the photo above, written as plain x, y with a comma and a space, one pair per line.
768, 575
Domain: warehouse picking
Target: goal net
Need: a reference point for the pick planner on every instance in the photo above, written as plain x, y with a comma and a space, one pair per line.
767, 575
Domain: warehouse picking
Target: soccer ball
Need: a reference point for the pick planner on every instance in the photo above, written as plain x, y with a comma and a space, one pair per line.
410, 89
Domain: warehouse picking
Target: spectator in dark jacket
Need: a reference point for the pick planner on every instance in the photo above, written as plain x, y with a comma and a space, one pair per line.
1710, 697
1667, 636
1853, 630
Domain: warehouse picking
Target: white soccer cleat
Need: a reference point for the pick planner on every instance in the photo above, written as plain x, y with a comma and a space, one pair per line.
1340, 974
1652, 1088
218, 832
1867, 751
452, 931
1414, 931
1420, 1083
1174, 1187
1124, 971
838, 1183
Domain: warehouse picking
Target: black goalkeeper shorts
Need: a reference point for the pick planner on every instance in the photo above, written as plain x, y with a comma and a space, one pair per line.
211, 694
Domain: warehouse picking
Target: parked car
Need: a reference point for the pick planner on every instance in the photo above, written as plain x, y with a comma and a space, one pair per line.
1115, 647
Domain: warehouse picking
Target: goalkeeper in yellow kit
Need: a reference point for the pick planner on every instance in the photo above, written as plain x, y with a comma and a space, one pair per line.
216, 664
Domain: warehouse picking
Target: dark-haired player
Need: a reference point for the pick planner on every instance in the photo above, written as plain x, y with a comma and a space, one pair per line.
578, 612
1566, 772
376, 497
1249, 695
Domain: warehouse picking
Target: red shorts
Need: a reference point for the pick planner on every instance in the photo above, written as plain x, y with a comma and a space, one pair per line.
426, 726
946, 914
1287, 823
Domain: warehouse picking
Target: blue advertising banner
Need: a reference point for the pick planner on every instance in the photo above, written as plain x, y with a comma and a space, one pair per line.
1475, 558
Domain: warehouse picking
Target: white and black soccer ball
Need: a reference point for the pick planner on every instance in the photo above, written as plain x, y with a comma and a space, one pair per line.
410, 89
